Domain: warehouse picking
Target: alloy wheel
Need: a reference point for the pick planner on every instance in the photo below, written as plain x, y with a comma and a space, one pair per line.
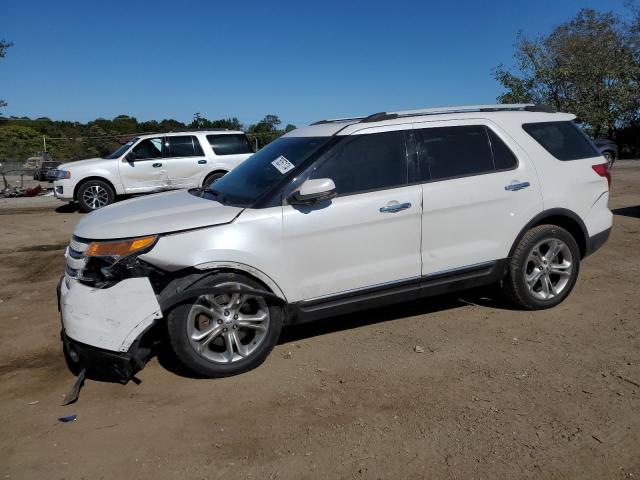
95, 197
548, 268
225, 328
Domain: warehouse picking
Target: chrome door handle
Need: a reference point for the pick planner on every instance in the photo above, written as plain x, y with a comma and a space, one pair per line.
395, 208
514, 187
156, 165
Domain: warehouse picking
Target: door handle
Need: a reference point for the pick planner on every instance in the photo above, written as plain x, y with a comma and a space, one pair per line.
202, 162
156, 165
395, 208
514, 187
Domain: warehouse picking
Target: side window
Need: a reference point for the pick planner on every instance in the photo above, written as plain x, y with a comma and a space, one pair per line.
367, 162
186, 146
447, 152
503, 157
232, 144
148, 148
563, 140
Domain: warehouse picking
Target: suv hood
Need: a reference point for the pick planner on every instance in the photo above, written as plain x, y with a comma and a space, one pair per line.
88, 162
159, 213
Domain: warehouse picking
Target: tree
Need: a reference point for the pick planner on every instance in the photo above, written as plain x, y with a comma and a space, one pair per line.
3, 51
589, 66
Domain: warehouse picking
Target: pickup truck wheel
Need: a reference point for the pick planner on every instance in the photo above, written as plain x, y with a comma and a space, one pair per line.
95, 194
543, 269
224, 334
211, 179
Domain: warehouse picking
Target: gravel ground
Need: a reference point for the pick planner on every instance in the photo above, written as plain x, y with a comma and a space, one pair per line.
494, 393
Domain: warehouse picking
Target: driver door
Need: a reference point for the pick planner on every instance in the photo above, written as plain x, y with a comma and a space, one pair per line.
144, 169
369, 235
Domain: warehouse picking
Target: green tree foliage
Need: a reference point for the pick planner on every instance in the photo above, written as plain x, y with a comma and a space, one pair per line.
589, 66
266, 130
3, 51
22, 137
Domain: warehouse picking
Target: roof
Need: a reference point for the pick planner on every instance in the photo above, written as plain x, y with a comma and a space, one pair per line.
346, 126
192, 132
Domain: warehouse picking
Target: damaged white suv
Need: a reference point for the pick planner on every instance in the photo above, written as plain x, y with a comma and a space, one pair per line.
342, 215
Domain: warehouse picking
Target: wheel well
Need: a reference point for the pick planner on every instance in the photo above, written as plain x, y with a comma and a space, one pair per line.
571, 225
174, 293
88, 179
613, 154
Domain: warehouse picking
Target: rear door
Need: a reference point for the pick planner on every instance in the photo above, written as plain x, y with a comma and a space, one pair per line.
144, 169
186, 162
479, 190
369, 236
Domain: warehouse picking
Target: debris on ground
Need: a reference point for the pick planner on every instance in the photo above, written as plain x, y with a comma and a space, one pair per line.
68, 418
418, 349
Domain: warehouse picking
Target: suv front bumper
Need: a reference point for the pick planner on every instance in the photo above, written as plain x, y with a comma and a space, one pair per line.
63, 189
102, 327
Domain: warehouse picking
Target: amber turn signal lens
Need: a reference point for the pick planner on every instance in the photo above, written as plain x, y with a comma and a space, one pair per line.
120, 248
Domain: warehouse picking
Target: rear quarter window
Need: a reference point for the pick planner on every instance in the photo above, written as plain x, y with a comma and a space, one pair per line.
233, 144
564, 140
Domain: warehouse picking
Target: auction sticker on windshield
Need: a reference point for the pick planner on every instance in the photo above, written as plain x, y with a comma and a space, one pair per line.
282, 164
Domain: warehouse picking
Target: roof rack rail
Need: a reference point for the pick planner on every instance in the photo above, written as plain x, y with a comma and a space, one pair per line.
506, 107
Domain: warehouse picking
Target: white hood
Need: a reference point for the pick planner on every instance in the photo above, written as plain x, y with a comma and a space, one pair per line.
88, 162
160, 213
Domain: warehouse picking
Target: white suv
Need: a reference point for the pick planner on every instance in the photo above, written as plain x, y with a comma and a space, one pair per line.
152, 163
339, 216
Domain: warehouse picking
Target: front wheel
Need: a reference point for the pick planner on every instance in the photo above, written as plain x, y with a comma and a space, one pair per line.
95, 194
223, 334
543, 269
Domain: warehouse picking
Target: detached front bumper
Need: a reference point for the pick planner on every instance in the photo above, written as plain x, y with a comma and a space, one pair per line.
102, 328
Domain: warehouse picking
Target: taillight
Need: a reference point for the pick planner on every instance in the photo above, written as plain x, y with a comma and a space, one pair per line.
603, 170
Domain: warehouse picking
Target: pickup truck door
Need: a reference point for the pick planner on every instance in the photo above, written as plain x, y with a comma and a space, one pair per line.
186, 162
143, 169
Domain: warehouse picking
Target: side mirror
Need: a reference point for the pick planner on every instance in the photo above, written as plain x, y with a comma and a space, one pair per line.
130, 157
314, 191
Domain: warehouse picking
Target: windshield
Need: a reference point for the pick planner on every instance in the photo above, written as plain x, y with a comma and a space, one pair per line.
120, 151
257, 175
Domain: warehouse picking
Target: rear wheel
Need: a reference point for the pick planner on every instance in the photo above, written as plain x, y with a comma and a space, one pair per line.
543, 269
212, 178
95, 194
223, 334
610, 157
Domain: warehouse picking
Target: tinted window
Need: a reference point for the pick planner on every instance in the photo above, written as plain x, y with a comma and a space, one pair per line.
257, 175
503, 157
235, 144
366, 162
148, 148
563, 140
187, 146
447, 152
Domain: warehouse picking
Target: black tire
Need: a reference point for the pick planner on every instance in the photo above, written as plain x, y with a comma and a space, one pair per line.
103, 191
212, 177
610, 157
515, 286
185, 352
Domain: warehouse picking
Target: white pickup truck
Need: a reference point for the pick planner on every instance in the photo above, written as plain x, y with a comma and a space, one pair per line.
152, 163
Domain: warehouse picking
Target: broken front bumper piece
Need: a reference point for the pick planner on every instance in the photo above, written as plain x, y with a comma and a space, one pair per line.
102, 328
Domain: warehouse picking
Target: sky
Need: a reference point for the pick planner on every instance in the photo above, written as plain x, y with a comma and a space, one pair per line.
303, 61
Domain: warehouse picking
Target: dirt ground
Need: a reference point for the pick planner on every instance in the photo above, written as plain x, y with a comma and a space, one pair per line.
496, 392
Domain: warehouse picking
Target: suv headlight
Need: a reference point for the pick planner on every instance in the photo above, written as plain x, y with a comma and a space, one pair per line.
60, 174
120, 248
